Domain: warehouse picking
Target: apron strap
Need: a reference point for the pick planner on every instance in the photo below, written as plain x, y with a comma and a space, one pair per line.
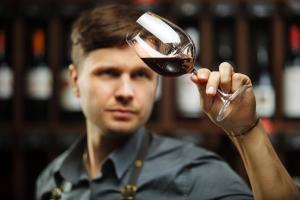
129, 190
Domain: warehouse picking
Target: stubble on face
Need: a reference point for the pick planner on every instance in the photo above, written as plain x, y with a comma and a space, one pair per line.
116, 96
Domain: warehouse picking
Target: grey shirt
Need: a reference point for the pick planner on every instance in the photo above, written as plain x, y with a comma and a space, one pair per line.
172, 170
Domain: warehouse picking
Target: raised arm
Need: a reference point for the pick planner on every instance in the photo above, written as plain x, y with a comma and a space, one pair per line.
268, 177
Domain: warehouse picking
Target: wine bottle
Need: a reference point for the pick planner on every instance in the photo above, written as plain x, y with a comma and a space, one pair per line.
188, 99
224, 29
263, 87
69, 103
186, 14
260, 14
6, 81
224, 46
187, 96
38, 80
156, 106
292, 75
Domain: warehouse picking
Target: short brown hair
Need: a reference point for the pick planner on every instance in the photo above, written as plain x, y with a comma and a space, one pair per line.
102, 27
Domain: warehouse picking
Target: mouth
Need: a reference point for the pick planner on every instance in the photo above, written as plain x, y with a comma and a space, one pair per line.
122, 114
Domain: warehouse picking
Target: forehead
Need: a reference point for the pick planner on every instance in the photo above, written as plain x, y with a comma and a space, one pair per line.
113, 57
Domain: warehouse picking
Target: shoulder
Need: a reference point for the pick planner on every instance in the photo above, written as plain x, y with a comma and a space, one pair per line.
185, 151
170, 158
45, 181
199, 171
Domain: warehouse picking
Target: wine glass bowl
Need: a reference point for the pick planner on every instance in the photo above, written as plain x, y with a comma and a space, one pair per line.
163, 46
169, 51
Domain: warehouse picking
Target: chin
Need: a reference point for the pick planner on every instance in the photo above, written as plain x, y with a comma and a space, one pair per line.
122, 128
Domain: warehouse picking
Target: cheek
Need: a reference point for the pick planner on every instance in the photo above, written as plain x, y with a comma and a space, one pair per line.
147, 96
93, 101
88, 93
96, 93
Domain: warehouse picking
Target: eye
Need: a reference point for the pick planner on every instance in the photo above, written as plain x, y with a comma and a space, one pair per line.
142, 74
108, 72
111, 72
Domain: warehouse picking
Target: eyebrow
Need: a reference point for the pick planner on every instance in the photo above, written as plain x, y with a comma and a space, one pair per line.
120, 68
146, 69
105, 67
143, 68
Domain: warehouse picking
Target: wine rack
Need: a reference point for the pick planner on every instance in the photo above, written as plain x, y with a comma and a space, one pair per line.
26, 146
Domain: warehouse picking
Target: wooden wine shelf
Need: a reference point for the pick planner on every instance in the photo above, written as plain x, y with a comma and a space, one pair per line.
168, 121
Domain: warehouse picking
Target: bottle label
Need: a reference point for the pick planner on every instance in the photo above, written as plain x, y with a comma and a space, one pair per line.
265, 100
39, 83
68, 100
187, 97
291, 92
6, 82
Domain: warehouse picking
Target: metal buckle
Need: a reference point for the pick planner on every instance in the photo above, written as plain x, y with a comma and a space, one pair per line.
128, 192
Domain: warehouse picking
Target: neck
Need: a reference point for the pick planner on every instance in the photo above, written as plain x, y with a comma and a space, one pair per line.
99, 146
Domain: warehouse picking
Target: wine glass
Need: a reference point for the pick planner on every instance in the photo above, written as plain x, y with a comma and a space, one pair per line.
170, 51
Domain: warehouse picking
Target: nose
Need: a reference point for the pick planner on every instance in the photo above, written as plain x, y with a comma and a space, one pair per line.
125, 91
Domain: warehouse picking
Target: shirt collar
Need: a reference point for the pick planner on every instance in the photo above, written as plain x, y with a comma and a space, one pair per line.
124, 157
72, 168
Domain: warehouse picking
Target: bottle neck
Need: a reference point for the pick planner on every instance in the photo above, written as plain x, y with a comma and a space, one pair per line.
38, 46
38, 59
262, 57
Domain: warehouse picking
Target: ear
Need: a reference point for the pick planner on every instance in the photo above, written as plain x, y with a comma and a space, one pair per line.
73, 72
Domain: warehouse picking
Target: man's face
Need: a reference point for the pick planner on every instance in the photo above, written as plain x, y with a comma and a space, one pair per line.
116, 89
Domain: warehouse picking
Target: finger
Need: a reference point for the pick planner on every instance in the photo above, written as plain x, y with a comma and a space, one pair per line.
201, 76
213, 83
238, 80
226, 71
200, 79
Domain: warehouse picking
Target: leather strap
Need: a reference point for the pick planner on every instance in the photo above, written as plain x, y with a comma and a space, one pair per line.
129, 190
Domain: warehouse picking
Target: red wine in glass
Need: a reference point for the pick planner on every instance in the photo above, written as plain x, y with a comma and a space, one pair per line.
170, 66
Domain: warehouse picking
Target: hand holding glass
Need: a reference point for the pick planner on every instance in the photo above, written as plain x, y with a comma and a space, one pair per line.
169, 51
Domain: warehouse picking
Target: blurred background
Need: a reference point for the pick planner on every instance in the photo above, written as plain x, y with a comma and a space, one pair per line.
40, 118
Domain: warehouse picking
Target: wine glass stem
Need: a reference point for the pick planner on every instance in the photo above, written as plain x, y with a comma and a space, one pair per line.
227, 99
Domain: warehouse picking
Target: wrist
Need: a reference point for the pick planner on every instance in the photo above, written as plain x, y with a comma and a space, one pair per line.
232, 134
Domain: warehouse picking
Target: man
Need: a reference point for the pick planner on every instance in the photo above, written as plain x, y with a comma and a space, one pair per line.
118, 158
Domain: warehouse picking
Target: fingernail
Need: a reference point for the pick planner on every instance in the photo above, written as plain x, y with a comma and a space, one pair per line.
211, 90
